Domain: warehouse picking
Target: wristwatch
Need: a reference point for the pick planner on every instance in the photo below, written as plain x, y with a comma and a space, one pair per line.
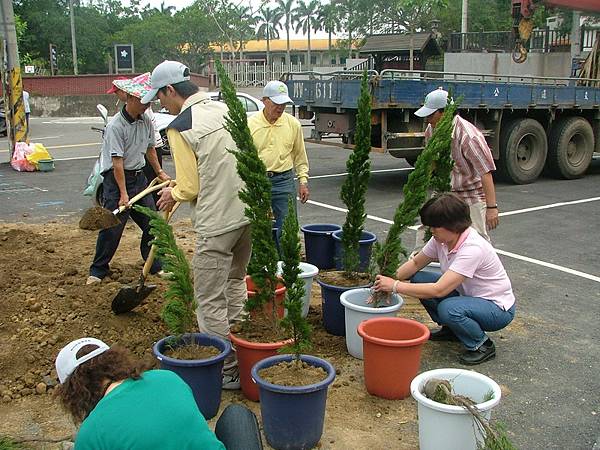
492, 206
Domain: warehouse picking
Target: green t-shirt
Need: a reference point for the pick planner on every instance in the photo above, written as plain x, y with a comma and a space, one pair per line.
157, 411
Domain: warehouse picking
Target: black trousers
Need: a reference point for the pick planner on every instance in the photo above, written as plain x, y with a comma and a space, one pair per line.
108, 240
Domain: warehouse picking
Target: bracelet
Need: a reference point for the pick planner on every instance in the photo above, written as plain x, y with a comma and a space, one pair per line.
394, 290
492, 207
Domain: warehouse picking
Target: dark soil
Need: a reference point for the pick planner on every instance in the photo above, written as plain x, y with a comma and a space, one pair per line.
293, 373
192, 352
98, 218
337, 278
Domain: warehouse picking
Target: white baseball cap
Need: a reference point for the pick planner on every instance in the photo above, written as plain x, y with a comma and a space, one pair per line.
166, 73
277, 92
435, 100
67, 361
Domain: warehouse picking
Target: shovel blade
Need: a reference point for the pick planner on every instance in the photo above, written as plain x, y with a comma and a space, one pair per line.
98, 218
129, 297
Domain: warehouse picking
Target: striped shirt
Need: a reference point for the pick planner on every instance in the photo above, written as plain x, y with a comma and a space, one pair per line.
472, 159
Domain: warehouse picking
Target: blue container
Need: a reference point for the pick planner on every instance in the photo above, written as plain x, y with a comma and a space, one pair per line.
334, 313
204, 376
367, 239
293, 416
319, 245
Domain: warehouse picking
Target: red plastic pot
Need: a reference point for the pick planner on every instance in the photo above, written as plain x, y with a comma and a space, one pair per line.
392, 354
249, 353
268, 307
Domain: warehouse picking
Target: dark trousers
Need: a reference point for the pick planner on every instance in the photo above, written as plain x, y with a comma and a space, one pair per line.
108, 240
237, 428
151, 174
283, 187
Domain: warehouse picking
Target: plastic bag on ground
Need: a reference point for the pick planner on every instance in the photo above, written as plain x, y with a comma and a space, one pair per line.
19, 159
39, 153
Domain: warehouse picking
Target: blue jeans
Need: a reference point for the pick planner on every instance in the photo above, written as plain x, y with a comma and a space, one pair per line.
237, 428
468, 317
108, 240
282, 187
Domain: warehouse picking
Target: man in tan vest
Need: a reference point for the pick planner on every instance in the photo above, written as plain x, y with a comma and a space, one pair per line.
207, 178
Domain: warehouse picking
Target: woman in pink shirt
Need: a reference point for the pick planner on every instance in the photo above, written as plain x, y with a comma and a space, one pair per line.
472, 295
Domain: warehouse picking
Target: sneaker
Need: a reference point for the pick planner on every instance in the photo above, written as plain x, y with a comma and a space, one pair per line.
164, 275
485, 352
93, 280
231, 382
443, 334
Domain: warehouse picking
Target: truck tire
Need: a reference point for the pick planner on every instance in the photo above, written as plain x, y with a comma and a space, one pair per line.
523, 149
570, 148
412, 160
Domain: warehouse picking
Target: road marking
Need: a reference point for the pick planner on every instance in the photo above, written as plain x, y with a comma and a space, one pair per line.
35, 138
65, 146
76, 158
552, 205
500, 252
343, 174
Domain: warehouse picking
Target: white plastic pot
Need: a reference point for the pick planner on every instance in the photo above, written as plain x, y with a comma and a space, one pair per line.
357, 311
308, 273
452, 427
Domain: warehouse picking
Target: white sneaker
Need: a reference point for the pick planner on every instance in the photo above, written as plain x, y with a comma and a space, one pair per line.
92, 280
231, 382
164, 275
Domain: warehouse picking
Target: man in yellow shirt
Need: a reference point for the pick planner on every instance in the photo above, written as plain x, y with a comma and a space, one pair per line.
280, 144
207, 178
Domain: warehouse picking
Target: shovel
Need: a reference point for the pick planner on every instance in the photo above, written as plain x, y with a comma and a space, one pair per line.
129, 297
98, 218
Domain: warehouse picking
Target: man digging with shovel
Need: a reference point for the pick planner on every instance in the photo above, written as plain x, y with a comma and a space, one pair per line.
129, 135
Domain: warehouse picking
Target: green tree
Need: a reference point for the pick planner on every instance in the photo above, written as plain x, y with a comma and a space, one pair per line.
307, 21
328, 16
268, 21
286, 9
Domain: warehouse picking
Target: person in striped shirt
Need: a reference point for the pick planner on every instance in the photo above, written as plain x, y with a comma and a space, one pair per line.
471, 177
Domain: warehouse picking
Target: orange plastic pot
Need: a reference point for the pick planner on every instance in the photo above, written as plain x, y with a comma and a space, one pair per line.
249, 353
268, 307
392, 354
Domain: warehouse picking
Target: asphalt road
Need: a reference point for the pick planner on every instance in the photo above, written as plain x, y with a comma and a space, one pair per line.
548, 241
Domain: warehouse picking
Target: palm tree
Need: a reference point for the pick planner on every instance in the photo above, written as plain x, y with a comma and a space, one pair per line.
328, 16
268, 19
306, 20
243, 25
286, 8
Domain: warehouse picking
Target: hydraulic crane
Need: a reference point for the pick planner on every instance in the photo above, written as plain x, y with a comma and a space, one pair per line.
522, 12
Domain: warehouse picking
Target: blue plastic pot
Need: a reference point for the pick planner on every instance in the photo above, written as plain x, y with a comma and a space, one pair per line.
364, 250
319, 245
204, 376
293, 416
334, 313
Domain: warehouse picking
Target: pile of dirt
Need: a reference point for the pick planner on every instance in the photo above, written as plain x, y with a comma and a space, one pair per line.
46, 304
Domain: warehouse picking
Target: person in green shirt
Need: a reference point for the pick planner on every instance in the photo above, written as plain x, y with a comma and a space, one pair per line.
122, 406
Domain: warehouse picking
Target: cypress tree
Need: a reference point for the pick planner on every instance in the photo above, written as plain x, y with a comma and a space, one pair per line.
355, 185
256, 194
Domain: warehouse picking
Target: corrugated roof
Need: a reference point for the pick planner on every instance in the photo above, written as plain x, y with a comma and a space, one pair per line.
394, 42
279, 45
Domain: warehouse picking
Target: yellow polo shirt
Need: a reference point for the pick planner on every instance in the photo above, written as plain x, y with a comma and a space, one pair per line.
280, 145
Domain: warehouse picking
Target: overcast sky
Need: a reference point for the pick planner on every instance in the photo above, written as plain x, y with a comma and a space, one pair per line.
180, 4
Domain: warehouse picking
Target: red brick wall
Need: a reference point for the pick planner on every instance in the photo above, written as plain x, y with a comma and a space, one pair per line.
80, 84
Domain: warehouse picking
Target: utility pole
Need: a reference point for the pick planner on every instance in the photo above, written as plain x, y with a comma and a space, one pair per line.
464, 23
73, 40
11, 80
576, 35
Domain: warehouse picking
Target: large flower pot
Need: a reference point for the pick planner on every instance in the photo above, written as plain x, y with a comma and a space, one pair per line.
364, 250
334, 316
307, 273
452, 427
249, 353
293, 416
318, 244
204, 376
357, 310
392, 354
268, 307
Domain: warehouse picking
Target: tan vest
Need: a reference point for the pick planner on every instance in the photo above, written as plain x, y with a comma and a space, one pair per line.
217, 208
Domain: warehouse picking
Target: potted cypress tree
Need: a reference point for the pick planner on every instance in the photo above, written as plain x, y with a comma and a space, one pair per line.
196, 357
353, 244
262, 324
432, 171
293, 412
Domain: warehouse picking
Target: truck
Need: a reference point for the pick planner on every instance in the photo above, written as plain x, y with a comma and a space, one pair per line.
530, 123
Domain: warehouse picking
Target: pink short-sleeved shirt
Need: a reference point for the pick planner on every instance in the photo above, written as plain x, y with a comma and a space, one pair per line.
475, 259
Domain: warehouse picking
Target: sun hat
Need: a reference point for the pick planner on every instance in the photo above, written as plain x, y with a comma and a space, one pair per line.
137, 86
277, 92
113, 88
435, 100
166, 73
67, 361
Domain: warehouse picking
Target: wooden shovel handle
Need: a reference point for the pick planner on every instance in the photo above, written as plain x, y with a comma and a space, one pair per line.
151, 188
152, 254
